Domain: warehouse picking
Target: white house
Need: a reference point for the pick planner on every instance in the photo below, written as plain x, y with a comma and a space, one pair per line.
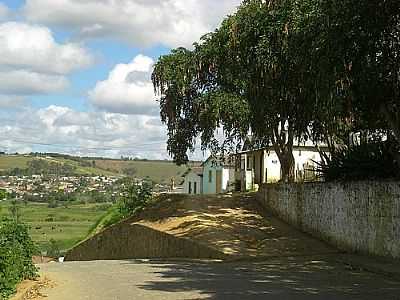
263, 166
193, 184
215, 176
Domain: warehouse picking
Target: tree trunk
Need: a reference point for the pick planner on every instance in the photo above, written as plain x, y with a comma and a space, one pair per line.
287, 166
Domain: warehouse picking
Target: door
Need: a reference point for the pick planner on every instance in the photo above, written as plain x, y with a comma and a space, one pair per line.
195, 188
219, 182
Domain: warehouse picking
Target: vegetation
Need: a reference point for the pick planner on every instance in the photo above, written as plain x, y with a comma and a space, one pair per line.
157, 171
3, 194
65, 225
285, 71
135, 198
16, 251
369, 161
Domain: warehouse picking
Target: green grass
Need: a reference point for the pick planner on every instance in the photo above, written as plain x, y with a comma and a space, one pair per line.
158, 171
67, 226
11, 162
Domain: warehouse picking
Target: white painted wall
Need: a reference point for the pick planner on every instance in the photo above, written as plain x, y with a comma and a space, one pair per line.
192, 177
210, 187
210, 184
273, 166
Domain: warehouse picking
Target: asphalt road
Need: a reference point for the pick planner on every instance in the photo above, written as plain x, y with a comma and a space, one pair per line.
281, 278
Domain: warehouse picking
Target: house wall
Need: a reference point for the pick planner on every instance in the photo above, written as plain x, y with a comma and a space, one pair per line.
361, 217
210, 188
192, 177
272, 166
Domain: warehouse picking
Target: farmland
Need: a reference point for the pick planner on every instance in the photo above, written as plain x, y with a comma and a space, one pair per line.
66, 225
158, 171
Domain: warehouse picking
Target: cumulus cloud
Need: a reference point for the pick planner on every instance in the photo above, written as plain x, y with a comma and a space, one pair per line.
62, 129
139, 22
128, 89
33, 48
32, 62
21, 82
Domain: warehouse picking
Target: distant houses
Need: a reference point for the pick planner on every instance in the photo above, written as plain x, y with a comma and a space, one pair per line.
215, 176
249, 169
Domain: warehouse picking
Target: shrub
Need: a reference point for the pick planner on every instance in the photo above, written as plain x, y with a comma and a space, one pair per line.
376, 160
136, 196
16, 251
53, 249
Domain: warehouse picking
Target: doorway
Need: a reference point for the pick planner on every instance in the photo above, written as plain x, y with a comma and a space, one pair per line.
219, 182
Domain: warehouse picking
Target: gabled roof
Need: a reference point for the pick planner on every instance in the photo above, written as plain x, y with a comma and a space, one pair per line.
227, 160
195, 170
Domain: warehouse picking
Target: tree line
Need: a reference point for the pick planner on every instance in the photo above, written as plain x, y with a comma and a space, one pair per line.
286, 71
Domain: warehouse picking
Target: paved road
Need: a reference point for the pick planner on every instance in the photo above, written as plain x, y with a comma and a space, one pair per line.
281, 278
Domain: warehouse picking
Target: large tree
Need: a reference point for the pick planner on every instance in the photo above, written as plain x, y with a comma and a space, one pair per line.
245, 76
285, 70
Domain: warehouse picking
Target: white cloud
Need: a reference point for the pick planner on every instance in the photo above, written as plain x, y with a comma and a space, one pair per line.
12, 102
83, 133
33, 48
23, 82
32, 62
171, 23
128, 89
65, 130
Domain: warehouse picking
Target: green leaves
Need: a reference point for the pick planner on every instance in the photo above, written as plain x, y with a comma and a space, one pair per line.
318, 69
136, 197
16, 251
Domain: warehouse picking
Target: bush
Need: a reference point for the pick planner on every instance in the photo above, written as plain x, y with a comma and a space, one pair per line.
371, 161
136, 196
16, 251
53, 249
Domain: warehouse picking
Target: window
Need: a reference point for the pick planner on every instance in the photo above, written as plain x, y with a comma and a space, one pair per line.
210, 176
195, 188
190, 187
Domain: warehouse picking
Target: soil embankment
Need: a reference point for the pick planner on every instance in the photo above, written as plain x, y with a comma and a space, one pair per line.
215, 227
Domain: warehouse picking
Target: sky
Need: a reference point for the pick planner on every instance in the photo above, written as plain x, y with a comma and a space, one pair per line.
75, 75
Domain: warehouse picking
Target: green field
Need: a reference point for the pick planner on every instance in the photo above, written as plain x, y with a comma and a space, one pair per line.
158, 171
66, 226
11, 162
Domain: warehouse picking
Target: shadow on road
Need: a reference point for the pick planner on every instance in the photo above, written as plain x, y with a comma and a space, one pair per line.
286, 278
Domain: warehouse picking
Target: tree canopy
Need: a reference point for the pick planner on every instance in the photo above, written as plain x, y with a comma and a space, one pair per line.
284, 71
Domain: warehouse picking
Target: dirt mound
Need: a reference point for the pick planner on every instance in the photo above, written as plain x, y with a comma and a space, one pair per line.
233, 224
178, 226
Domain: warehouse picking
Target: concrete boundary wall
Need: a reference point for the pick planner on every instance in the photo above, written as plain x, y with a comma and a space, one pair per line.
134, 241
360, 217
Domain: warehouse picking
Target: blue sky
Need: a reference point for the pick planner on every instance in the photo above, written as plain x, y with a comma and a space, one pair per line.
75, 75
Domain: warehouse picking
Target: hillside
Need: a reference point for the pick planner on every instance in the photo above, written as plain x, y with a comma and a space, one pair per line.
158, 171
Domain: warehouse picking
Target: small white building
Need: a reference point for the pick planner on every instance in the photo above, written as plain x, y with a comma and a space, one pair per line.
218, 175
215, 176
193, 184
